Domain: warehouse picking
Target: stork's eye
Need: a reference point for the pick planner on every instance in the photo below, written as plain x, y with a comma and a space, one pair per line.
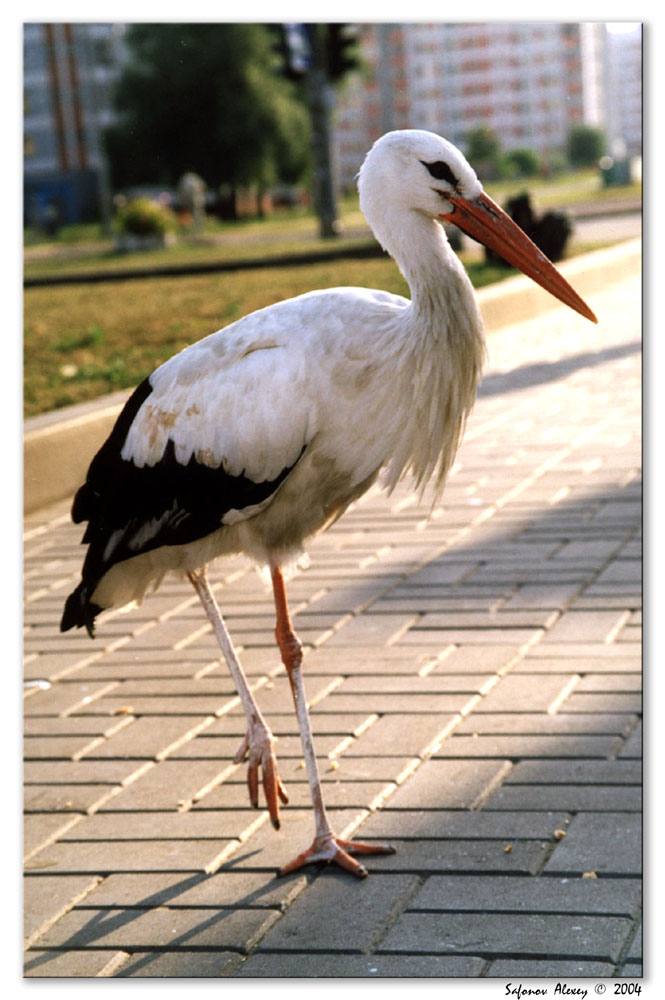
442, 172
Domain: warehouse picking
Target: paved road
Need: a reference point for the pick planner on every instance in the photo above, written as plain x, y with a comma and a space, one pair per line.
474, 678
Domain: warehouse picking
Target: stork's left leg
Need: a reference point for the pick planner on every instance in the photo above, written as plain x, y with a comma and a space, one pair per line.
258, 743
326, 846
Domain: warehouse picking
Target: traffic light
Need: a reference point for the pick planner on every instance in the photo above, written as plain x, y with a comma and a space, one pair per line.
341, 50
293, 48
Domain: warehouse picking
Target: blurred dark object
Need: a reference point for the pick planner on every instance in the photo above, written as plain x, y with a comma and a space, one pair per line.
64, 199
615, 171
550, 233
454, 237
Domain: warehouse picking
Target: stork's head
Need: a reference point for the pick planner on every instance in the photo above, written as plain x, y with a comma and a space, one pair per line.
415, 171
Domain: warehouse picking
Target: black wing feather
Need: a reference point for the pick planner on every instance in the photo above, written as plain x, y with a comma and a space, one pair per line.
131, 510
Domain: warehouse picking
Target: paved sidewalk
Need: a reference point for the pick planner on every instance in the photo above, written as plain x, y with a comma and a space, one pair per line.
474, 679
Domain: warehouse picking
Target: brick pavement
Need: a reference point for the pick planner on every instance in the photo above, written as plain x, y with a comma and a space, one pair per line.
474, 677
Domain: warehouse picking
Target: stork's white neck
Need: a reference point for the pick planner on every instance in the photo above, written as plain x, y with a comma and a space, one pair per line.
442, 335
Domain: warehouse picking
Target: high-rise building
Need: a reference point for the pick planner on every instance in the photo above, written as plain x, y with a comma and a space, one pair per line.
68, 72
528, 83
623, 85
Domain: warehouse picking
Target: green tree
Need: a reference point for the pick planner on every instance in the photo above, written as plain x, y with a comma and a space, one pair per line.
483, 151
520, 163
319, 56
208, 98
586, 145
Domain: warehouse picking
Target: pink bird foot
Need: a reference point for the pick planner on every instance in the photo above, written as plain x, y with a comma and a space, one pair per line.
258, 745
334, 850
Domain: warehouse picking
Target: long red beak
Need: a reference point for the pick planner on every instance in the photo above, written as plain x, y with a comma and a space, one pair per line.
485, 221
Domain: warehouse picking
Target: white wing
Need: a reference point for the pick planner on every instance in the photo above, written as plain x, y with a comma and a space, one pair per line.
250, 397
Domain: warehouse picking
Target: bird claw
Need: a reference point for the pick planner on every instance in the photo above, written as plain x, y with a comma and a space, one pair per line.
334, 850
258, 745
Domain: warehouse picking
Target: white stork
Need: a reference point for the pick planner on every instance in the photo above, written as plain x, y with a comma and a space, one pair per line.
263, 433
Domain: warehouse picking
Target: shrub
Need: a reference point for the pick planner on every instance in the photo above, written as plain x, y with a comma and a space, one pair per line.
520, 163
143, 217
586, 145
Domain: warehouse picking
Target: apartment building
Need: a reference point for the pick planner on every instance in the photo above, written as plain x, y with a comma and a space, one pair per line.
68, 71
529, 83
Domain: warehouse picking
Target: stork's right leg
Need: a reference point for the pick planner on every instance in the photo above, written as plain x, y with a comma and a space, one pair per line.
258, 743
326, 846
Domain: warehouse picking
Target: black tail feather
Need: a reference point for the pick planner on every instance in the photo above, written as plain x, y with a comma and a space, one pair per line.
79, 611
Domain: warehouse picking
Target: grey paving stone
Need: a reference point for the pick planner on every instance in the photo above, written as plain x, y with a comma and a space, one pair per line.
71, 726
632, 748
550, 596
631, 970
592, 772
444, 636
514, 894
634, 953
296, 965
407, 684
175, 687
110, 772
545, 664
39, 828
542, 723
180, 964
102, 857
335, 916
629, 703
515, 969
63, 798
514, 746
370, 628
73, 963
524, 693
166, 785
527, 619
530, 935
245, 890
132, 930
144, 739
571, 798
429, 857
442, 824
196, 706
391, 703
596, 653
53, 747
45, 896
585, 626
403, 733
62, 698
447, 784
476, 659
363, 659
212, 825
608, 844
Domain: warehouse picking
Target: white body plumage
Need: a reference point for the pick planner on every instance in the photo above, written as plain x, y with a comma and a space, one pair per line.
336, 385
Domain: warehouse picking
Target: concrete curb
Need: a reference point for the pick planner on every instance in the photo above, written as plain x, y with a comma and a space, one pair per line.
58, 446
